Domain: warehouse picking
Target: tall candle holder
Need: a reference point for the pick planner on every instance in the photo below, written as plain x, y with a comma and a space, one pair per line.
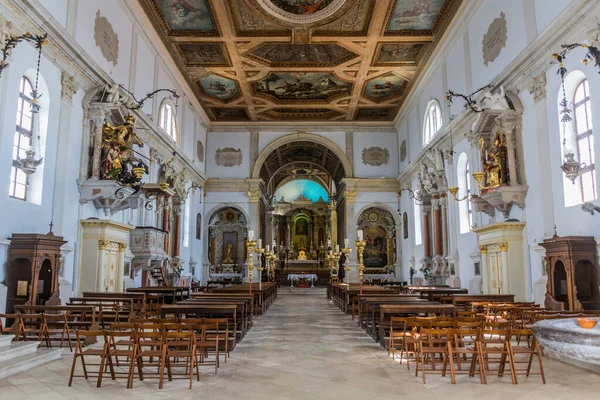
271, 260
360, 247
336, 260
251, 244
259, 250
330, 262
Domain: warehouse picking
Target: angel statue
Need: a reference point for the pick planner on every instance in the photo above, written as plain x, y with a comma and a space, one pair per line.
117, 143
113, 94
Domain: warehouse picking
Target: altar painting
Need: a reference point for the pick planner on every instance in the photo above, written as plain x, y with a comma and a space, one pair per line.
375, 253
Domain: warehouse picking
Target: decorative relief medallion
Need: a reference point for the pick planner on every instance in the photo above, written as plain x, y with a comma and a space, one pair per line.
200, 151
301, 12
106, 38
375, 156
228, 157
403, 150
494, 40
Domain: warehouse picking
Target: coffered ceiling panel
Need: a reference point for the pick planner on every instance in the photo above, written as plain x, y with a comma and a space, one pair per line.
290, 60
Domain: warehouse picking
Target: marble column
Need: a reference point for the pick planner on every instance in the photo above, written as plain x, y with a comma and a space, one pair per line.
97, 119
254, 198
100, 272
120, 267
426, 210
333, 220
176, 243
350, 196
437, 227
269, 228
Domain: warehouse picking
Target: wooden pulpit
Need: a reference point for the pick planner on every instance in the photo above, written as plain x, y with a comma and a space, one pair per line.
32, 269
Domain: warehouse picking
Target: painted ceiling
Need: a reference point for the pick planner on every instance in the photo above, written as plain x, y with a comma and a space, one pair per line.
309, 189
300, 60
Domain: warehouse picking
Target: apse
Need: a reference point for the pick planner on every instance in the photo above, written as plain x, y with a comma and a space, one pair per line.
296, 189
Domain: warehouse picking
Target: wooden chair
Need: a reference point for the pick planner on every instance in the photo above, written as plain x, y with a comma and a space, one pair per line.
57, 324
410, 339
181, 345
150, 345
124, 340
80, 353
443, 324
496, 342
430, 343
33, 327
466, 343
120, 344
530, 348
204, 344
222, 333
14, 329
397, 332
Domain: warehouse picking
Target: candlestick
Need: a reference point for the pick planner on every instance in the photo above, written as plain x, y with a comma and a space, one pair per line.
328, 242
250, 244
268, 248
359, 234
346, 242
360, 247
337, 248
259, 243
250, 235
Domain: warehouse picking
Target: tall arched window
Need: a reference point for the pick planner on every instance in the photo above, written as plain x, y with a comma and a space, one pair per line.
22, 140
433, 121
582, 112
167, 119
465, 209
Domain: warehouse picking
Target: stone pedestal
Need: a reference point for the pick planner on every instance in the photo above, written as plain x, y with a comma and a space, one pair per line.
453, 281
539, 290
476, 285
66, 290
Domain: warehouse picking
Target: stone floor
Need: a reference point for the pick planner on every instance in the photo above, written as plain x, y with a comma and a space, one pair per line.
305, 348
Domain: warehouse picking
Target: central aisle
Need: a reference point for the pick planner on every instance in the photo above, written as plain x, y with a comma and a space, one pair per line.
303, 348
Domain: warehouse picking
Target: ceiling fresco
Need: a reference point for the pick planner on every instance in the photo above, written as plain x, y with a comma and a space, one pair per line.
255, 61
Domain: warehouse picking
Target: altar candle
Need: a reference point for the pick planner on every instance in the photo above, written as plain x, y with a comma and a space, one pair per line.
268, 248
346, 243
274, 244
328, 242
330, 252
250, 235
359, 234
259, 243
337, 248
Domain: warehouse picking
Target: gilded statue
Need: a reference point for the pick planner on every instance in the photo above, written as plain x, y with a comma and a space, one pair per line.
117, 142
228, 254
495, 162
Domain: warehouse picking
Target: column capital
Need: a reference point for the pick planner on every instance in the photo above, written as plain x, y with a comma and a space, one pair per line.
350, 196
103, 244
122, 247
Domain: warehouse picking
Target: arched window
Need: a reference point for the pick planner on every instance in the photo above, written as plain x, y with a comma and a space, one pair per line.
433, 121
582, 112
579, 138
22, 140
465, 209
167, 119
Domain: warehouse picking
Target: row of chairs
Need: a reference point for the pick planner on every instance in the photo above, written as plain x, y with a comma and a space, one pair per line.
40, 327
177, 347
457, 341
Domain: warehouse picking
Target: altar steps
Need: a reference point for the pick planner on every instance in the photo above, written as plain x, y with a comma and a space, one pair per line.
288, 291
17, 357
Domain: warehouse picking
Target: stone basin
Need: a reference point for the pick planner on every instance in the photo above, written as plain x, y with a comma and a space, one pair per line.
565, 340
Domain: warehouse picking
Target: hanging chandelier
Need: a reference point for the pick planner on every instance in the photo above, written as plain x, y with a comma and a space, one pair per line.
28, 164
570, 166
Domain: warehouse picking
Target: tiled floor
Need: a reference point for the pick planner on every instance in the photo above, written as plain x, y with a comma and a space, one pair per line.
305, 348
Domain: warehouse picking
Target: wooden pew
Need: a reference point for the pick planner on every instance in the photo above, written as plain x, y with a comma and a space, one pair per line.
264, 294
433, 293
373, 306
463, 302
109, 309
387, 311
236, 296
202, 311
242, 327
169, 294
139, 299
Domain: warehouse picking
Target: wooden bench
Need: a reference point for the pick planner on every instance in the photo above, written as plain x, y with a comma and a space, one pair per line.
242, 321
264, 294
168, 294
234, 296
373, 306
